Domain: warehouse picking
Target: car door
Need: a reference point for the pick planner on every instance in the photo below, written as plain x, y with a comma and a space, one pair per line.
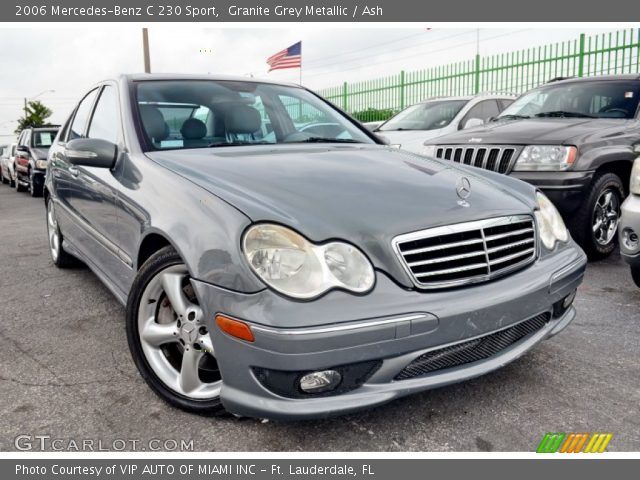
22, 156
93, 199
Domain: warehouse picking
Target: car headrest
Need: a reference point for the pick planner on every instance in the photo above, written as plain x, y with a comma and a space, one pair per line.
153, 122
240, 118
193, 129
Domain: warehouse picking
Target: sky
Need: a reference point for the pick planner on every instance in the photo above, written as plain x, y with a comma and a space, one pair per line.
58, 65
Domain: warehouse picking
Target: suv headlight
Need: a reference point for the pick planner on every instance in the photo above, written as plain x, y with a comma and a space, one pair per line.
551, 227
41, 164
546, 158
634, 185
292, 265
429, 150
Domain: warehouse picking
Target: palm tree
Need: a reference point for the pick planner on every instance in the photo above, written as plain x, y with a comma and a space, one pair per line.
36, 115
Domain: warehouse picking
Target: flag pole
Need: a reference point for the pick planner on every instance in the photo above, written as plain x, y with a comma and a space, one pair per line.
300, 63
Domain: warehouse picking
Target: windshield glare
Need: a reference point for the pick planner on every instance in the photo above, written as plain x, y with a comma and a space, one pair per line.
179, 114
604, 99
425, 116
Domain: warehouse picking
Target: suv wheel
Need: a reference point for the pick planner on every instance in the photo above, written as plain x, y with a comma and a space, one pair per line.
61, 259
169, 338
35, 187
635, 274
595, 225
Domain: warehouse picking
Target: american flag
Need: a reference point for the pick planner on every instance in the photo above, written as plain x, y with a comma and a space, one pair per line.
288, 58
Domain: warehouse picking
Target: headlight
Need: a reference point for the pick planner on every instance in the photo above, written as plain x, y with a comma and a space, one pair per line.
429, 150
546, 157
634, 186
290, 264
551, 227
41, 164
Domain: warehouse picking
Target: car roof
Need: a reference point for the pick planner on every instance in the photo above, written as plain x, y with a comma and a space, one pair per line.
136, 77
631, 76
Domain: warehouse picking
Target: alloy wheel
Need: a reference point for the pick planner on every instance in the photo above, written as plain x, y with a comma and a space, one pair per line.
606, 216
174, 337
53, 231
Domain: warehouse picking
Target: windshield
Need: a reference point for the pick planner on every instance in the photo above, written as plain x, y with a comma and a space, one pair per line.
43, 138
597, 99
180, 114
425, 116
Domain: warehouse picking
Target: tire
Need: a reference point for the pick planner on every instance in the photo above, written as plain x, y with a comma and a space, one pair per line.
4, 180
35, 187
61, 259
185, 339
12, 182
600, 244
635, 274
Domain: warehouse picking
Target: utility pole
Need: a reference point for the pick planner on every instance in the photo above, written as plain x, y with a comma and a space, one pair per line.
145, 49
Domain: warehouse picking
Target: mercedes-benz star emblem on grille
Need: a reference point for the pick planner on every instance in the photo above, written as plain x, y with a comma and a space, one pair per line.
463, 189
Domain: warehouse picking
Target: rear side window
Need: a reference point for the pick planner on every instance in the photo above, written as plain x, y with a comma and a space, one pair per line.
104, 123
82, 115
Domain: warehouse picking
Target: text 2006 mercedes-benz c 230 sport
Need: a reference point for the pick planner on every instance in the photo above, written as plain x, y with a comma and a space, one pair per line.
276, 260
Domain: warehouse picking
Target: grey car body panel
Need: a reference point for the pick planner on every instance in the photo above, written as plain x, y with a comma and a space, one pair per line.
630, 219
364, 194
201, 202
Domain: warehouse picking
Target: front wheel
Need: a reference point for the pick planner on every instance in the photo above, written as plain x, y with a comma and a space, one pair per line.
169, 337
635, 274
61, 259
4, 179
35, 185
595, 225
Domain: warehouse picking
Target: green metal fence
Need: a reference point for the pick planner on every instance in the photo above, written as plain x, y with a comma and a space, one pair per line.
514, 72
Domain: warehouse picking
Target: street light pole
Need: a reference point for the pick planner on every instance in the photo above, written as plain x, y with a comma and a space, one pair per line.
145, 50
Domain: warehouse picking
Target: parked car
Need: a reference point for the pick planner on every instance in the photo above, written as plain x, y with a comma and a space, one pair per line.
31, 158
630, 223
574, 140
373, 126
8, 165
303, 276
4, 156
432, 118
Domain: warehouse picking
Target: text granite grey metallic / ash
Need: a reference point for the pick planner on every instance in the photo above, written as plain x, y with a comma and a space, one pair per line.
277, 260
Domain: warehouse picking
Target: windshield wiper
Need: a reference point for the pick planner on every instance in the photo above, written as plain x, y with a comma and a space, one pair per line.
511, 117
236, 144
562, 113
326, 140
399, 129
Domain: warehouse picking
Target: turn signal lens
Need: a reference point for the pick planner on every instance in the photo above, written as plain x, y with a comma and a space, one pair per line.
235, 328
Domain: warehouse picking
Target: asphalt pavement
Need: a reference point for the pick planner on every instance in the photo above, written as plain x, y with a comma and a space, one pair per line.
66, 373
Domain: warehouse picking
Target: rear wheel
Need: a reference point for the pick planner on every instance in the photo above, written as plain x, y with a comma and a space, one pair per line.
35, 185
2, 175
169, 338
595, 225
60, 258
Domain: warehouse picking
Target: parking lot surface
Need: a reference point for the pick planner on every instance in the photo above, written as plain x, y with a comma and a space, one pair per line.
66, 372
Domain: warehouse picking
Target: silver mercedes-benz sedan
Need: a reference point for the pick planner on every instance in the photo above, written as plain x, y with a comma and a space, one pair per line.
277, 260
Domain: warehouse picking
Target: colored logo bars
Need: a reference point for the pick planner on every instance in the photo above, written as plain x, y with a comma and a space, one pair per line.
574, 443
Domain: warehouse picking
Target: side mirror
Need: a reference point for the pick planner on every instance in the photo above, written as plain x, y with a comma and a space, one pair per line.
473, 122
91, 152
22, 148
383, 139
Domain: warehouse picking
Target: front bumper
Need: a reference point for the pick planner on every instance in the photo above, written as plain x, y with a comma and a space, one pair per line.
630, 222
564, 189
391, 326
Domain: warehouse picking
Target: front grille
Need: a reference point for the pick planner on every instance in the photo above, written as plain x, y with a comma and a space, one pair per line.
472, 350
498, 158
467, 252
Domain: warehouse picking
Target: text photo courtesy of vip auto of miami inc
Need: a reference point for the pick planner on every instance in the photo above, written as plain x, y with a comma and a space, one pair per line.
307, 237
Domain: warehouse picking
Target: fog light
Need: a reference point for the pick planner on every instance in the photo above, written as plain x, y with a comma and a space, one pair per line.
568, 300
316, 382
630, 239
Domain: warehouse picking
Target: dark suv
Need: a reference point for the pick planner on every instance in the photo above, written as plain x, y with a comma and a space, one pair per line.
572, 138
31, 158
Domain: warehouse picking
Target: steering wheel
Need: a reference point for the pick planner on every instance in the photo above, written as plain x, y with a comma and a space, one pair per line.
613, 110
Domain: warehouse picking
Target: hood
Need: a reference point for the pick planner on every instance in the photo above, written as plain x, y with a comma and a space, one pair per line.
540, 131
40, 153
364, 194
412, 140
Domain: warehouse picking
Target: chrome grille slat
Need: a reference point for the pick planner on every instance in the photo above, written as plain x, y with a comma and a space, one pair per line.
498, 158
468, 252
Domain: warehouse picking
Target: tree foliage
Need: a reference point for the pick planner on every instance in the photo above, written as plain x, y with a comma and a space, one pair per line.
35, 116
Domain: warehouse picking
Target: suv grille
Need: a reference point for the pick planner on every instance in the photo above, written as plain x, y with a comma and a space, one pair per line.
498, 158
467, 252
472, 350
